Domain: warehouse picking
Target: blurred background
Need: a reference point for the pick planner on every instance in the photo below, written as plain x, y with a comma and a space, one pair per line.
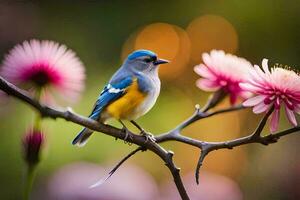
102, 33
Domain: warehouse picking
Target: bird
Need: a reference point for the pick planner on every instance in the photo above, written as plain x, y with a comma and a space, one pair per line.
130, 93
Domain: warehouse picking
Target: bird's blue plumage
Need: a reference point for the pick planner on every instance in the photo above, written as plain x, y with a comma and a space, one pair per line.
110, 93
140, 53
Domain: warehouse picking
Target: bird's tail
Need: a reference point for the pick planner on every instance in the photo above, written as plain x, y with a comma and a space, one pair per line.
82, 137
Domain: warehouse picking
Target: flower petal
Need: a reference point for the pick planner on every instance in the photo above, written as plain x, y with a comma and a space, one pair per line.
297, 108
256, 75
265, 66
254, 101
290, 115
261, 107
207, 59
203, 71
246, 95
274, 120
207, 85
249, 87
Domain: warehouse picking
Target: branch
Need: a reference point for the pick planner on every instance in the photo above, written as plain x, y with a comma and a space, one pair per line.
172, 135
139, 140
176, 175
100, 182
262, 123
255, 137
198, 115
68, 115
213, 100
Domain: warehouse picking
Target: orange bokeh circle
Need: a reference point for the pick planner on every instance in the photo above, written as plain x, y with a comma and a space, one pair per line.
211, 32
168, 41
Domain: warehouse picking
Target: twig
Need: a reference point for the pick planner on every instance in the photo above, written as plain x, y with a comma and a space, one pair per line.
214, 99
198, 115
262, 123
203, 154
254, 137
176, 175
103, 180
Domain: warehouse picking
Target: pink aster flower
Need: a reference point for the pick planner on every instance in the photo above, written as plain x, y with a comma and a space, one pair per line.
45, 65
276, 87
223, 71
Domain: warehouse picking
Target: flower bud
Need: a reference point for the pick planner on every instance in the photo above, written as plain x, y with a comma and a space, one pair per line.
32, 144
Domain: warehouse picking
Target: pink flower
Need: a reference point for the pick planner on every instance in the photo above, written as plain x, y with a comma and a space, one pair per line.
45, 65
274, 87
223, 71
32, 144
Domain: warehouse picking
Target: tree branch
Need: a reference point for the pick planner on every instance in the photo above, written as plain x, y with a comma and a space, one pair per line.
139, 140
172, 135
255, 137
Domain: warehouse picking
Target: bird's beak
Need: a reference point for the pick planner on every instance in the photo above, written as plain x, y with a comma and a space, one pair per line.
160, 61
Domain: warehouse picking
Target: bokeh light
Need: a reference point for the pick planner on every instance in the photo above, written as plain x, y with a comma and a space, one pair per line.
211, 32
73, 181
168, 41
160, 38
211, 187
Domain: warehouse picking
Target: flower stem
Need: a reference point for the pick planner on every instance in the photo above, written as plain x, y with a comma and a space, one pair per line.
37, 122
37, 118
29, 181
31, 168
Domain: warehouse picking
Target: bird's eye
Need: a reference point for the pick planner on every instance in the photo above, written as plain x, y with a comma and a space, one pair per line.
147, 60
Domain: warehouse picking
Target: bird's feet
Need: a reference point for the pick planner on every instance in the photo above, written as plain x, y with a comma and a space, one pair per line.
128, 137
148, 136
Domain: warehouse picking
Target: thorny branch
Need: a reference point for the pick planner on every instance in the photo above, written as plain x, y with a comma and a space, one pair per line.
172, 135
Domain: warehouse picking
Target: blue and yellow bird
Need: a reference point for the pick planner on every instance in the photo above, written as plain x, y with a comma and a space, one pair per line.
131, 92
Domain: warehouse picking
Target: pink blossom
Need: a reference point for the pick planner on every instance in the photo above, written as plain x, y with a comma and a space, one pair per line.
276, 87
45, 65
223, 71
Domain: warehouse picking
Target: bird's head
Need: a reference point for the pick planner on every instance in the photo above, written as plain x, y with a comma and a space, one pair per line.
144, 61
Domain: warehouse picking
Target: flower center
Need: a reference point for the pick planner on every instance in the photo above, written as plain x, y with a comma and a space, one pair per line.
230, 86
278, 97
40, 78
41, 74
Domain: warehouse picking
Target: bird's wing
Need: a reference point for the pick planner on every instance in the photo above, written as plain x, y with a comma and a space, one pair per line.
110, 93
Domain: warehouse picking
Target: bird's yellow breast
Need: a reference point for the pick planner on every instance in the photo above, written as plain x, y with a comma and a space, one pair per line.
126, 106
